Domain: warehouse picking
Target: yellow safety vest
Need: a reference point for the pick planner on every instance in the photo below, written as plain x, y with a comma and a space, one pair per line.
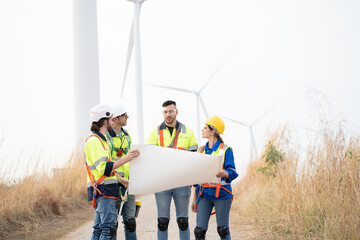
182, 137
97, 154
120, 147
220, 151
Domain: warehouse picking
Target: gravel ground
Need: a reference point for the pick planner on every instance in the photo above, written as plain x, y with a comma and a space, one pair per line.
147, 225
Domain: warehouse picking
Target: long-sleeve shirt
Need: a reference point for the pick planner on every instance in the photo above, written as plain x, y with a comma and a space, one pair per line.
229, 166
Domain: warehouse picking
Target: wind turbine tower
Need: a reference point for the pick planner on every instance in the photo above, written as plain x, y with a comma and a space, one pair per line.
86, 64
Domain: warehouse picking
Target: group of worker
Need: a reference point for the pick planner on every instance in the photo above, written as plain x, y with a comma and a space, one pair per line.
107, 156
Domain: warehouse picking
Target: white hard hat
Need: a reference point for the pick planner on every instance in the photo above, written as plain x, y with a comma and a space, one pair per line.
100, 111
119, 109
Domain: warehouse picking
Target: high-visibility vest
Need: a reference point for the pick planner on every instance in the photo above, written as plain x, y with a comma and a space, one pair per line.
220, 151
120, 147
97, 154
181, 138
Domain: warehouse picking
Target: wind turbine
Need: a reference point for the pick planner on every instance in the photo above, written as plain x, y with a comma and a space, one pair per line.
134, 40
86, 64
197, 93
253, 148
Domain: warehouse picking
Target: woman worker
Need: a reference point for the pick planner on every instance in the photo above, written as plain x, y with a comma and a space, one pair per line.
209, 195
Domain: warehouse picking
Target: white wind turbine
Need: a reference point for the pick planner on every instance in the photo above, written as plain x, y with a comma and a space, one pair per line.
134, 40
86, 64
197, 93
253, 148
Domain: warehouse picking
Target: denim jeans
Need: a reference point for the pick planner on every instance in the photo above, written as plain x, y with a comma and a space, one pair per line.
181, 197
222, 209
128, 212
105, 219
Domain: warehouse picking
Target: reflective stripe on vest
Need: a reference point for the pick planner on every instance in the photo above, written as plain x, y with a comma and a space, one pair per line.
101, 179
173, 144
220, 151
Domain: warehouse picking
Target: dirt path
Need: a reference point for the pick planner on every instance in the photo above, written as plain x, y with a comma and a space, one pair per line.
147, 225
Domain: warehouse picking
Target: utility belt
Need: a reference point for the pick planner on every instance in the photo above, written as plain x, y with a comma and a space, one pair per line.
97, 191
218, 186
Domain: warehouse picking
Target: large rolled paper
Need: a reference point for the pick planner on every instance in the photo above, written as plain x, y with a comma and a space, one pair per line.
159, 168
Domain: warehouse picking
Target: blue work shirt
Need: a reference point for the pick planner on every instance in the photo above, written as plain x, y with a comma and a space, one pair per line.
229, 166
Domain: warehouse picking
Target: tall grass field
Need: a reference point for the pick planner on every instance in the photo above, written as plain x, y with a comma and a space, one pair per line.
317, 197
25, 204
291, 197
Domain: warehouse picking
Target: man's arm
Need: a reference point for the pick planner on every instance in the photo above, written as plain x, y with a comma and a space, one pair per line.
152, 139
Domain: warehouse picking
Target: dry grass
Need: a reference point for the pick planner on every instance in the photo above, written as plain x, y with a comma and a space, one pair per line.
317, 198
38, 199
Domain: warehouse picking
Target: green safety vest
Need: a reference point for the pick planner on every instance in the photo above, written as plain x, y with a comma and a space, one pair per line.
120, 142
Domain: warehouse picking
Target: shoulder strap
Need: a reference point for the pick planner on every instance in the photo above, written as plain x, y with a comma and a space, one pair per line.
95, 135
175, 139
161, 134
127, 135
201, 150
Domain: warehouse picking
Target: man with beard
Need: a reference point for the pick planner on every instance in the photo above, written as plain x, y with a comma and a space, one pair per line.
103, 187
173, 134
120, 140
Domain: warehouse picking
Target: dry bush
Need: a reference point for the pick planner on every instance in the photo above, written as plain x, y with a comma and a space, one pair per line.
317, 198
23, 204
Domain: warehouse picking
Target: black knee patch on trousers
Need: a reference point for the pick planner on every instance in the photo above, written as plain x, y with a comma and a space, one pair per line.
112, 232
183, 223
223, 231
130, 225
199, 232
163, 223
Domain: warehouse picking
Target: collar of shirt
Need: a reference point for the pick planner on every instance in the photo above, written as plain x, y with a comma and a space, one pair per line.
214, 148
114, 133
100, 135
163, 125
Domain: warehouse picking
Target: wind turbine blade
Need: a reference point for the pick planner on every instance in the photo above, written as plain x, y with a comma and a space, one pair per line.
253, 141
129, 53
198, 117
213, 75
167, 87
262, 116
235, 121
203, 106
130, 49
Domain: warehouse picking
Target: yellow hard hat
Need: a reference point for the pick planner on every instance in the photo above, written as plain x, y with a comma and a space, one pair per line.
217, 123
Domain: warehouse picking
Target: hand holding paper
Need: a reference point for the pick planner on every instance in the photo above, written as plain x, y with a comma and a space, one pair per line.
158, 169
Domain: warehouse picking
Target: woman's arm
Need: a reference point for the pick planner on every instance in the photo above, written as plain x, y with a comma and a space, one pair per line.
193, 204
229, 172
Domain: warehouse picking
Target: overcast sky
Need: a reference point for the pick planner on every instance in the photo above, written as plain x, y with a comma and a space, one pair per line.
298, 56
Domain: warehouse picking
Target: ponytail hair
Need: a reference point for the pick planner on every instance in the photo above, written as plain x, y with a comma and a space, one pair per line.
95, 126
219, 137
217, 134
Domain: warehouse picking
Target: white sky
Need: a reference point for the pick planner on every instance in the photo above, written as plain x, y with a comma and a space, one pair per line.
296, 52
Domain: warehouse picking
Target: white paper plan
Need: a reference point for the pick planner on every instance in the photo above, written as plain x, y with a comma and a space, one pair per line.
159, 168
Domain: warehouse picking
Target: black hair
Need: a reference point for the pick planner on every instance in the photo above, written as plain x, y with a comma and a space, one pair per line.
168, 102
